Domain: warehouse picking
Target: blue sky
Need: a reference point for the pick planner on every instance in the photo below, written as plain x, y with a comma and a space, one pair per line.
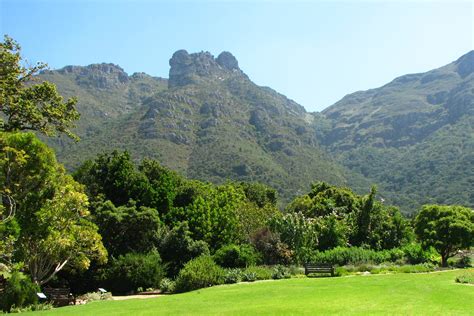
313, 52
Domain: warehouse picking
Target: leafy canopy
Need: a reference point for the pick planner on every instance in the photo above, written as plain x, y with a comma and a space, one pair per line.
446, 228
28, 106
51, 209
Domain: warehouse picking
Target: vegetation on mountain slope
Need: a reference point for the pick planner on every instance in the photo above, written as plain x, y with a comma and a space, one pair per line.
211, 123
413, 136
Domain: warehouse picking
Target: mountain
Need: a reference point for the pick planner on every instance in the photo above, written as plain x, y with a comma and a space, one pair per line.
208, 120
413, 136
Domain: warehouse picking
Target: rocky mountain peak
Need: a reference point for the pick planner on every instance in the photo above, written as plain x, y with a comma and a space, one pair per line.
228, 61
465, 64
190, 68
102, 76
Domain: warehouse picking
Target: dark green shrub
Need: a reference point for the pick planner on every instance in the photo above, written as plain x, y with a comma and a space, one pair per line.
281, 272
236, 256
415, 254
177, 248
131, 271
232, 276
260, 272
19, 292
198, 273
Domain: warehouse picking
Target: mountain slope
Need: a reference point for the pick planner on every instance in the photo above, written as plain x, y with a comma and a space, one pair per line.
210, 122
413, 136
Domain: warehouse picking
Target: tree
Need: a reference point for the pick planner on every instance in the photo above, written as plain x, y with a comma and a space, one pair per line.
113, 176
127, 228
51, 210
212, 215
299, 232
27, 106
446, 228
178, 247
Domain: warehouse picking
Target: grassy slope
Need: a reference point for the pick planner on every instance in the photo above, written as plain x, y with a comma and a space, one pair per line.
412, 294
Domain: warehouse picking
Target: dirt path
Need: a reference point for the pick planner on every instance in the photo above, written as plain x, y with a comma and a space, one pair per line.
129, 297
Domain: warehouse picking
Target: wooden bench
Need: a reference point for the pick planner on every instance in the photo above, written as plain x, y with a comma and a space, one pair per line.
311, 268
59, 296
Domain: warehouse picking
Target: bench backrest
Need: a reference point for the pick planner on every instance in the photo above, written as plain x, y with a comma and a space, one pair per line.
55, 292
313, 265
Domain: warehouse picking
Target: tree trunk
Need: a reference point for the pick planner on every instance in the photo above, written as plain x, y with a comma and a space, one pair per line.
444, 260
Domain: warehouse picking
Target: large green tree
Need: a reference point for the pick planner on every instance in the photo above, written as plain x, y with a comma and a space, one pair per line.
51, 209
26, 105
213, 215
128, 228
446, 228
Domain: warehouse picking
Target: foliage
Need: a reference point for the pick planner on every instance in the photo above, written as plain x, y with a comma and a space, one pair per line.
465, 261
298, 232
212, 216
252, 218
355, 255
249, 276
113, 177
236, 256
270, 247
95, 296
232, 276
343, 218
415, 254
385, 268
127, 228
164, 183
281, 272
167, 285
257, 273
19, 292
129, 272
381, 135
51, 210
198, 273
467, 278
259, 193
177, 247
26, 106
9, 233
445, 228
32, 308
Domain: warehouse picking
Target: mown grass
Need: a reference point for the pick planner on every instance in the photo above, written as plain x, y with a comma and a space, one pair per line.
407, 294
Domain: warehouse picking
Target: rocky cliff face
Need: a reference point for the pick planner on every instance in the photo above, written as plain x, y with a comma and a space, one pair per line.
191, 68
101, 76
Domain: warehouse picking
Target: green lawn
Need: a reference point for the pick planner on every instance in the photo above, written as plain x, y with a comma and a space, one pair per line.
407, 294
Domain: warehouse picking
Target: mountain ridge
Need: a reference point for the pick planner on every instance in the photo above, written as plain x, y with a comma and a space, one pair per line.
211, 122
